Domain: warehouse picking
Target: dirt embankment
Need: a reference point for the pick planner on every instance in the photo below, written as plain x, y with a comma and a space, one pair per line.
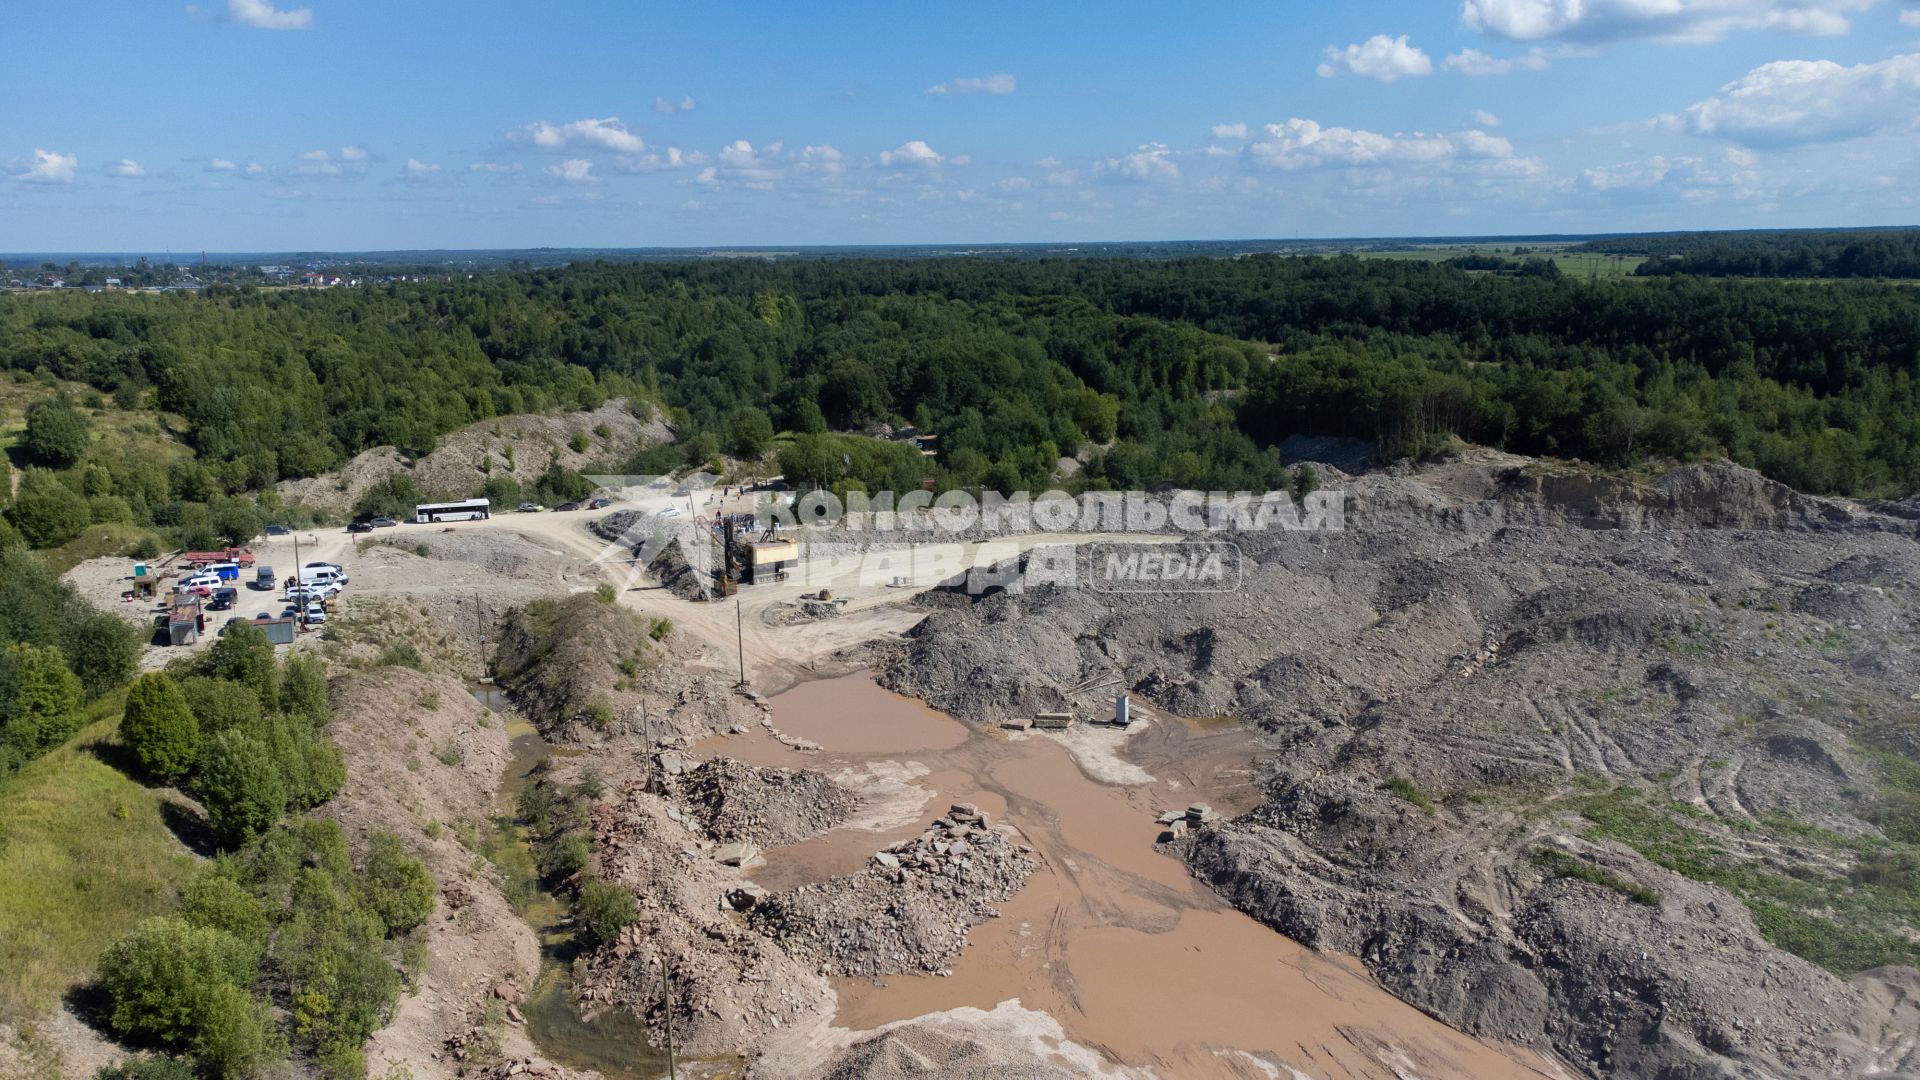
586, 671
1556, 679
424, 760
521, 446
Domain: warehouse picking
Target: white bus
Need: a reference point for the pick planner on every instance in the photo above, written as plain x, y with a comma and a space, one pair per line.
469, 510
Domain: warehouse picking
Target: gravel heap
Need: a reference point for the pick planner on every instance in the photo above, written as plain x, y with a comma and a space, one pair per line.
911, 907
733, 801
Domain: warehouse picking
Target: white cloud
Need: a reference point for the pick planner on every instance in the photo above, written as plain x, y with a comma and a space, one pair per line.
417, 169
221, 165
254, 168
264, 16
48, 167
1485, 119
742, 164
1910, 17
982, 84
1378, 57
313, 155
1690, 21
126, 168
913, 154
353, 153
1304, 144
670, 157
1152, 161
606, 133
1695, 178
1230, 131
1475, 62
573, 171
1804, 101
494, 167
1014, 183
668, 107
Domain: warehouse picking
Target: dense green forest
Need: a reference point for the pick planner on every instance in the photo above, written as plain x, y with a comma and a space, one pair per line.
1183, 370
1840, 253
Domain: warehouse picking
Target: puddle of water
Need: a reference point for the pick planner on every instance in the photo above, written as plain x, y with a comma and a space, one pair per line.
1111, 937
612, 1042
853, 713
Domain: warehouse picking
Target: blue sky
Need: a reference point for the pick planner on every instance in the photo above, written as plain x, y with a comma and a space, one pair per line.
355, 124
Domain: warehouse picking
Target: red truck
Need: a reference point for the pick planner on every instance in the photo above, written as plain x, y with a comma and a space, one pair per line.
199, 559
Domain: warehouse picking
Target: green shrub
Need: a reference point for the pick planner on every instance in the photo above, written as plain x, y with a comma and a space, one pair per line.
159, 727
600, 712
56, 433
578, 444
303, 691
40, 699
659, 628
155, 1067
604, 593
162, 979
244, 655
1561, 864
217, 902
47, 512
220, 705
602, 911
240, 784
397, 886
1404, 788
403, 654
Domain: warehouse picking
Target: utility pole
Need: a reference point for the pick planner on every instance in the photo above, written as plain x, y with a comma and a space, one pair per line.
296, 576
740, 640
666, 976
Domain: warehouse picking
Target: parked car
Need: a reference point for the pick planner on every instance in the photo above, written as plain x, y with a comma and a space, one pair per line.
333, 566
279, 530
383, 523
223, 599
566, 507
599, 504
667, 511
264, 616
316, 614
531, 508
359, 526
238, 621
263, 579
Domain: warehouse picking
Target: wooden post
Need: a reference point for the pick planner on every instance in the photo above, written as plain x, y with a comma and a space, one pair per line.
666, 975
740, 640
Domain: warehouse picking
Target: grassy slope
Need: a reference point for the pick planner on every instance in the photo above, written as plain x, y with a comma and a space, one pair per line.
85, 853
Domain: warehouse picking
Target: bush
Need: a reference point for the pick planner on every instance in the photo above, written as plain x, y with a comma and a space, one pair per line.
163, 980
403, 654
397, 886
220, 705
241, 786
157, 1067
244, 655
303, 691
1403, 788
39, 699
100, 648
159, 727
578, 444
604, 593
47, 512
660, 628
56, 433
604, 910
219, 903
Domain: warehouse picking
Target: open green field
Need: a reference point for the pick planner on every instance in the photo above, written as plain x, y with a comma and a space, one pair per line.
1572, 263
85, 852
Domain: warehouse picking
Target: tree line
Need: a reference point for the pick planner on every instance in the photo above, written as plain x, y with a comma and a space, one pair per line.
1183, 370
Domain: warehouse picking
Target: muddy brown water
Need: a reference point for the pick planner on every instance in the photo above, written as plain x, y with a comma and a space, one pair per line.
1111, 937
